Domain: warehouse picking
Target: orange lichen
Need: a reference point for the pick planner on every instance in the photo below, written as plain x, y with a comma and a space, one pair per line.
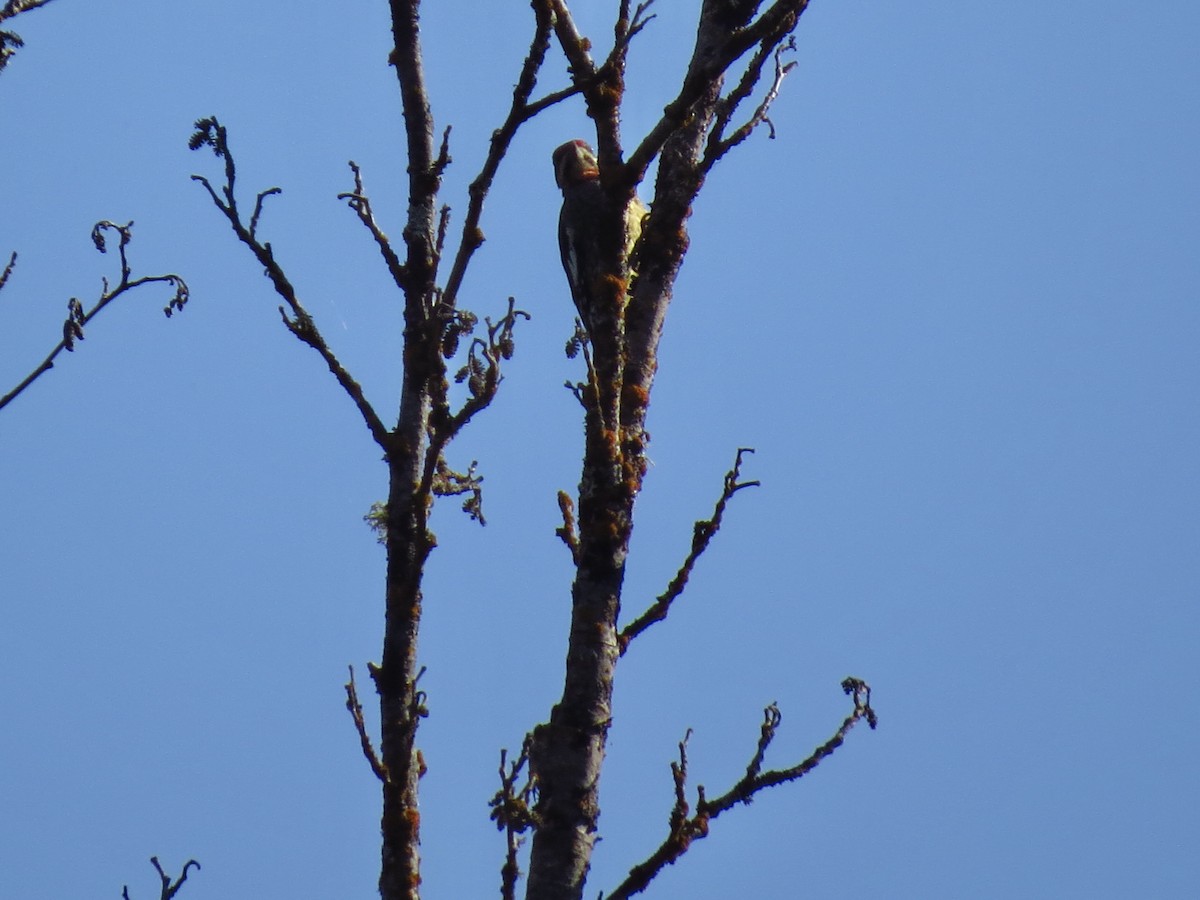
635, 395
614, 285
609, 95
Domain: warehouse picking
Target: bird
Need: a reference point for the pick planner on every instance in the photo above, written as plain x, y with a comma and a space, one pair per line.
595, 245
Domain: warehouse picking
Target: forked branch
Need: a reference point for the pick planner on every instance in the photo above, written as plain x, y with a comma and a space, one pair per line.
719, 45
719, 143
521, 110
627, 26
361, 204
212, 134
684, 828
169, 888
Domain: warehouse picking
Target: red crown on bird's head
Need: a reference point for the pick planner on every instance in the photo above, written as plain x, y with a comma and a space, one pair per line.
574, 163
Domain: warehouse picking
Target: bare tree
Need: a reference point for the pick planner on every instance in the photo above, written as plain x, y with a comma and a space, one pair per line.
632, 260
622, 260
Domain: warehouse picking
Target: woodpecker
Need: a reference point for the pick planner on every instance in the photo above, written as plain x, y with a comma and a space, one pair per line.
587, 230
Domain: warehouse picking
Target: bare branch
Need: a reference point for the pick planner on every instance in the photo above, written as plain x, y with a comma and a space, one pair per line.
169, 888
684, 829
574, 45
520, 111
443, 227
536, 106
626, 29
258, 207
718, 144
702, 533
709, 62
360, 725
443, 157
361, 204
753, 781
211, 133
77, 317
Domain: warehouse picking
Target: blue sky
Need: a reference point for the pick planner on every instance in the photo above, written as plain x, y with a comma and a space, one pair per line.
954, 307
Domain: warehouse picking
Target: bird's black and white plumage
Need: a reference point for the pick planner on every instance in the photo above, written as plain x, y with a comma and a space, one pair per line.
594, 241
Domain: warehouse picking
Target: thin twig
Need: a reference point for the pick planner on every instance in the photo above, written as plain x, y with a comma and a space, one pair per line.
12, 261
718, 144
361, 204
702, 533
520, 111
627, 28
360, 725
775, 23
753, 782
258, 207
